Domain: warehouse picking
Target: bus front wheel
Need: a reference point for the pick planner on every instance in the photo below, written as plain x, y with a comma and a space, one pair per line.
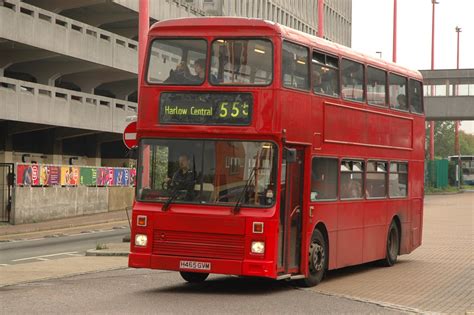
193, 277
393, 245
318, 260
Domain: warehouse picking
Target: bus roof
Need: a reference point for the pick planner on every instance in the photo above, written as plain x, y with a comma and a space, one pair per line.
287, 33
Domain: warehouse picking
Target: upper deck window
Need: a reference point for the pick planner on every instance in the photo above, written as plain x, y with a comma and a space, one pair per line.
177, 62
352, 80
416, 97
398, 91
325, 74
376, 85
295, 66
241, 62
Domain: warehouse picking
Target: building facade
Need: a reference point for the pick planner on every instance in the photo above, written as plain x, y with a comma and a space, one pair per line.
68, 69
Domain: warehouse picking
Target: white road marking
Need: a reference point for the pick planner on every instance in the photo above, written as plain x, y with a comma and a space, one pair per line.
75, 234
43, 256
3, 265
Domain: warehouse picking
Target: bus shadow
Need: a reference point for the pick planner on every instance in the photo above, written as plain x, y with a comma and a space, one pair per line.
228, 285
357, 270
233, 285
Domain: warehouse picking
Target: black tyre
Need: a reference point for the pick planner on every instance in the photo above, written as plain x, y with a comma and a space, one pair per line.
193, 277
393, 246
318, 260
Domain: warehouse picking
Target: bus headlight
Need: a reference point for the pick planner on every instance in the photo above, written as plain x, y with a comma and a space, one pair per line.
258, 247
141, 240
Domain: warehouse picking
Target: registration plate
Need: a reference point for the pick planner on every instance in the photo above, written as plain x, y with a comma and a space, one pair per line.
194, 265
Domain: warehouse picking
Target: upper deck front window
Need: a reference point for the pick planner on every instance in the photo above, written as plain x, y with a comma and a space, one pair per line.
241, 62
177, 62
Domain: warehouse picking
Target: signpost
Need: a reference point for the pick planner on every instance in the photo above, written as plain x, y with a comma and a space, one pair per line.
130, 135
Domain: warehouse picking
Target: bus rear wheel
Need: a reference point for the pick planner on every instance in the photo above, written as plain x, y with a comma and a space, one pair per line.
193, 277
317, 260
393, 246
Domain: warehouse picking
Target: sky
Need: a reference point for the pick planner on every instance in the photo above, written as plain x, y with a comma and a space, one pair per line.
372, 31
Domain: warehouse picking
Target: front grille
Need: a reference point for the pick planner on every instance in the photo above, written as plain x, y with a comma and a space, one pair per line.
199, 245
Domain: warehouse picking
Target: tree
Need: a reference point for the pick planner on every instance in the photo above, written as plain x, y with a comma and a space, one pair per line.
444, 140
466, 142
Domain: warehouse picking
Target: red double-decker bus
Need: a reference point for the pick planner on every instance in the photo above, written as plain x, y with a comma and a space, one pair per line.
264, 151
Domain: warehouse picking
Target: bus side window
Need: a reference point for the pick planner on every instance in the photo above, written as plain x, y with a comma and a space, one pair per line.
325, 74
416, 96
398, 91
324, 179
376, 85
352, 80
398, 179
376, 179
352, 180
295, 70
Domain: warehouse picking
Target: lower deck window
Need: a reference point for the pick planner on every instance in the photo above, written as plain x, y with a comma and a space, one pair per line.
352, 180
398, 179
376, 179
324, 179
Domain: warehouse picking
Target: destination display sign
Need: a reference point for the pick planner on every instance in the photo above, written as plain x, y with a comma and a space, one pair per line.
206, 108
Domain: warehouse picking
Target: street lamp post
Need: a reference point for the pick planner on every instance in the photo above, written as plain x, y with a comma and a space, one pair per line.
320, 32
432, 124
394, 46
143, 26
457, 147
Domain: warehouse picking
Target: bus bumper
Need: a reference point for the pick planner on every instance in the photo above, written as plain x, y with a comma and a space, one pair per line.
255, 268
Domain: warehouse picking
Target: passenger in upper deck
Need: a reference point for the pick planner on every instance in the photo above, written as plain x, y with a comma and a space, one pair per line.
401, 102
200, 69
180, 75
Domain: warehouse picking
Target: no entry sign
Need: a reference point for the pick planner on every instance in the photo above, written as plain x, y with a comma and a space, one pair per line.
130, 135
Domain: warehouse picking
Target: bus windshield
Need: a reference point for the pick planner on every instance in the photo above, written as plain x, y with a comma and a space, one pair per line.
207, 172
177, 62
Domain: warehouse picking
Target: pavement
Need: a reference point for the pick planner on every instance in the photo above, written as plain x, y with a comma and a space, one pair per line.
64, 226
436, 277
111, 249
53, 269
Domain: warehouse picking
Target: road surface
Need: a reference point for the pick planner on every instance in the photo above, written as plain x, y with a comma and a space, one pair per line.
57, 247
132, 291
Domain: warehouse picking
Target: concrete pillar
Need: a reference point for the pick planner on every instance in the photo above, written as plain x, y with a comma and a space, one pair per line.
96, 160
6, 155
3, 65
52, 79
57, 151
6, 145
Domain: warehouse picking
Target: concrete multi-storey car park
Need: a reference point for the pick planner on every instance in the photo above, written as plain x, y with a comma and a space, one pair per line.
68, 69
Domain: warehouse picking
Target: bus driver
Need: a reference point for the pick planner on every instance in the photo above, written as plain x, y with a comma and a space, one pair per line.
183, 178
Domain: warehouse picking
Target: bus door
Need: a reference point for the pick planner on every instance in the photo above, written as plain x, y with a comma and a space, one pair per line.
291, 206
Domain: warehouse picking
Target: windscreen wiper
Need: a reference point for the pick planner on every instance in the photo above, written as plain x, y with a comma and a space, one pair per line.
173, 196
238, 204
